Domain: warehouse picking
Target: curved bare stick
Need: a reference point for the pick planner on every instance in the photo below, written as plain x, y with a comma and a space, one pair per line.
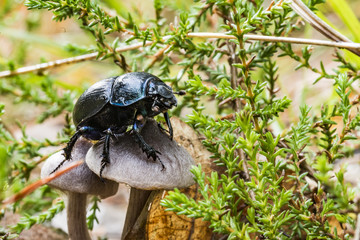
57, 63
347, 45
309, 16
354, 47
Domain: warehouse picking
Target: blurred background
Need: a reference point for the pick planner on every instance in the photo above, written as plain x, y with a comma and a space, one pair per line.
31, 37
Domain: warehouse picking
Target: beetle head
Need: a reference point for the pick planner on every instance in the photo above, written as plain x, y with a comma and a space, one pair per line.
162, 95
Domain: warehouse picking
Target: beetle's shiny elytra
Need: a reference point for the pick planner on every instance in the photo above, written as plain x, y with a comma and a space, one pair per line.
111, 105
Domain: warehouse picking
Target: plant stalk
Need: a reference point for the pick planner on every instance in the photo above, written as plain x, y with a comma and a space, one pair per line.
76, 216
134, 226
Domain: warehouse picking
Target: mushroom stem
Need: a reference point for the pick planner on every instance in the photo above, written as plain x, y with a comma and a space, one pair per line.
137, 202
76, 216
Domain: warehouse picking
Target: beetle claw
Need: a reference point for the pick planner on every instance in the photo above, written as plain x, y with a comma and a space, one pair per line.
154, 155
151, 153
162, 165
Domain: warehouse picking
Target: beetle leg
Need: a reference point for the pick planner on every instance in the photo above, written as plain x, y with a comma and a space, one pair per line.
70, 144
87, 132
105, 154
149, 150
168, 123
162, 128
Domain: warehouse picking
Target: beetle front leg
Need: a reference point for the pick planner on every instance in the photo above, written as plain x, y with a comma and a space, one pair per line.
168, 123
149, 150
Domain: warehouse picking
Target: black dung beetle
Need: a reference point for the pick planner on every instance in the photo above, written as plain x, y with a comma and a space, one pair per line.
111, 105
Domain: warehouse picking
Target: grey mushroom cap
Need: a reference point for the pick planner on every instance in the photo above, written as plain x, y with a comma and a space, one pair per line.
130, 165
80, 179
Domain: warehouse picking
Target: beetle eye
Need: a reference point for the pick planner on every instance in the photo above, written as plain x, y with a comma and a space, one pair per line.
151, 88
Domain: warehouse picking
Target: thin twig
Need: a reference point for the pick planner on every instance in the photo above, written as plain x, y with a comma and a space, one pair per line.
81, 58
251, 37
91, 56
32, 187
309, 16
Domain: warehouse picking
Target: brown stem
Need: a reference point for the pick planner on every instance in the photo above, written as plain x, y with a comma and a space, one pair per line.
76, 217
237, 108
134, 226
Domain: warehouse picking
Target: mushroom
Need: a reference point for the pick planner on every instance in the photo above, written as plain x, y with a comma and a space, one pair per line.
77, 184
129, 165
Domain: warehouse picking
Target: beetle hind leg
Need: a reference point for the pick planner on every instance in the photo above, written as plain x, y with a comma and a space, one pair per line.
68, 149
87, 132
69, 146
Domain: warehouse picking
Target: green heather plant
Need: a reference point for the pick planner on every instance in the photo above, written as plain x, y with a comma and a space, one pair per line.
278, 179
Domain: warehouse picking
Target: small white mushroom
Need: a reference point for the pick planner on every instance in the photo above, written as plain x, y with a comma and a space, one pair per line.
129, 165
77, 184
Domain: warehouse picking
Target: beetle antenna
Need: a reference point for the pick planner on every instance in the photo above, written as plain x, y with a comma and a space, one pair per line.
181, 92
